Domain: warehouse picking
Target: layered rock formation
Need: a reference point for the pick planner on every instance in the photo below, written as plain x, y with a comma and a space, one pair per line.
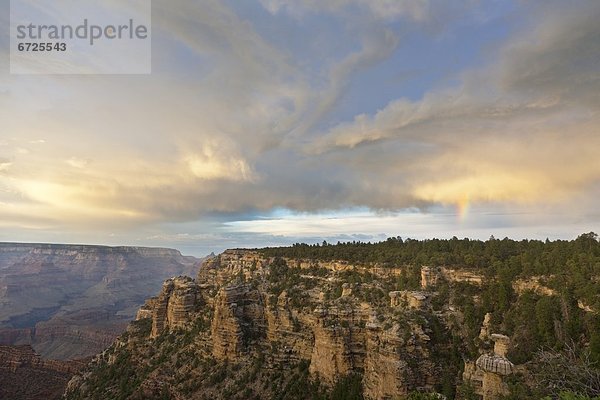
256, 326
244, 307
173, 306
71, 301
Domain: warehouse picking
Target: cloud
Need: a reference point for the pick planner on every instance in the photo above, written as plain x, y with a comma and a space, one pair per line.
232, 123
4, 164
377, 45
421, 10
214, 162
77, 162
559, 58
520, 130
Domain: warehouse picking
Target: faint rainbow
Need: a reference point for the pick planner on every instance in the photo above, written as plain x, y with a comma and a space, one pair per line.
463, 206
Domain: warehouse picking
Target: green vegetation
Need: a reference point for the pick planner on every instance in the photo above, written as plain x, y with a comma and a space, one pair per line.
571, 263
142, 327
283, 278
347, 388
573, 396
422, 396
551, 332
533, 321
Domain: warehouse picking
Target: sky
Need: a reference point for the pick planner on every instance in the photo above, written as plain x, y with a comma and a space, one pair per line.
269, 122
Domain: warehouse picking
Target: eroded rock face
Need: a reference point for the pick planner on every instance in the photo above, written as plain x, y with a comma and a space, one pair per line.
429, 276
457, 275
288, 326
384, 369
239, 320
174, 305
534, 284
334, 336
408, 298
339, 342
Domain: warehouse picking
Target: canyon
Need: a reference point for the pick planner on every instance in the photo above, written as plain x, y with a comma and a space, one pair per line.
72, 301
62, 304
226, 333
454, 319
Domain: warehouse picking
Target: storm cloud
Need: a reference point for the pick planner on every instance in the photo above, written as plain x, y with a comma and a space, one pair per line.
238, 119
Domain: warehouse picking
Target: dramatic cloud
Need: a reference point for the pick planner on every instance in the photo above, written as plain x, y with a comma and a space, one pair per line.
522, 129
246, 113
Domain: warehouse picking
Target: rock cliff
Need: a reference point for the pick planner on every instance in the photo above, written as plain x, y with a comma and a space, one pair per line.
173, 306
247, 316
